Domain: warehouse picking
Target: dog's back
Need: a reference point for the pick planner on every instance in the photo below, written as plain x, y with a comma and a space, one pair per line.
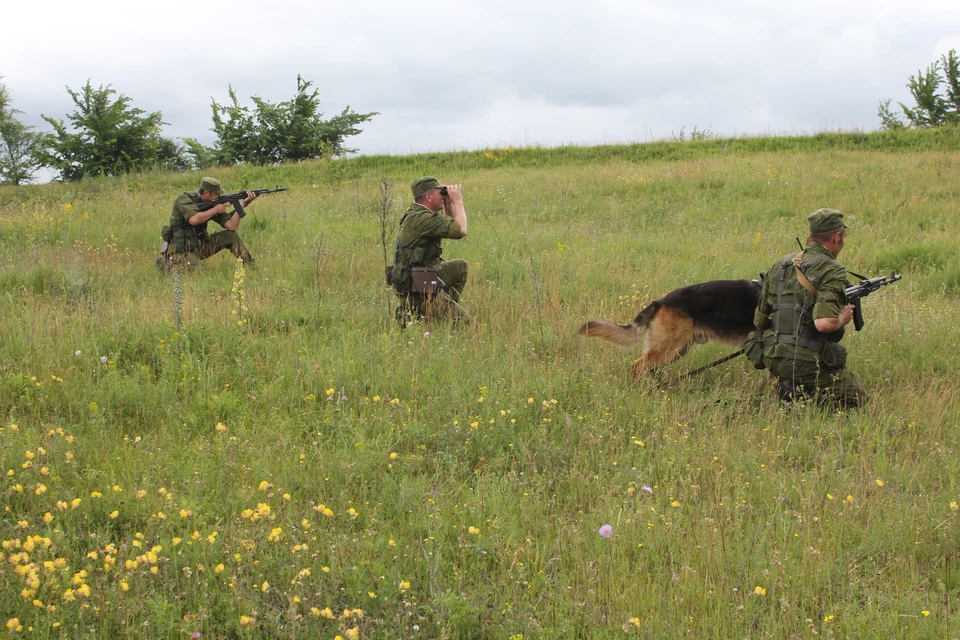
721, 310
718, 310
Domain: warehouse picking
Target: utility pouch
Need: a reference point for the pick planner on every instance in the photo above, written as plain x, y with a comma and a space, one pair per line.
834, 355
425, 280
400, 278
753, 349
166, 233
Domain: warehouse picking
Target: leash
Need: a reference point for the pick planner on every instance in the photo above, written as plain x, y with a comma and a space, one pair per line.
708, 366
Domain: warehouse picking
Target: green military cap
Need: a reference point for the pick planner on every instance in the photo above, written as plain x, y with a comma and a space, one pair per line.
212, 185
824, 220
421, 185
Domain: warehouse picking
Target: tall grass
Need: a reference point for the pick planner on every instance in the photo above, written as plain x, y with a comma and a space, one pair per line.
317, 471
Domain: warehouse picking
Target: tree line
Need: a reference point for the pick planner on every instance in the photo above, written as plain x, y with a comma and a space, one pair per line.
107, 136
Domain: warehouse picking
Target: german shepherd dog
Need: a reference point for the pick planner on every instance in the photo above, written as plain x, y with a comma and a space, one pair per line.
719, 310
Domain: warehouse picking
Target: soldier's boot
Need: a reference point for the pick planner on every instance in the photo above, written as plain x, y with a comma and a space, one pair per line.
787, 391
247, 258
162, 264
239, 250
402, 315
409, 309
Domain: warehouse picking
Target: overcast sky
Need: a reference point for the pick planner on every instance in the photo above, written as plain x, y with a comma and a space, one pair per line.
467, 75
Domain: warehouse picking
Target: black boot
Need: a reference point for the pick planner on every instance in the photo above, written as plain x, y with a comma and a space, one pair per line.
787, 391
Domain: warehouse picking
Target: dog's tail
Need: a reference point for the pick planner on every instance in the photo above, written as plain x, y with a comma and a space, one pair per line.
626, 335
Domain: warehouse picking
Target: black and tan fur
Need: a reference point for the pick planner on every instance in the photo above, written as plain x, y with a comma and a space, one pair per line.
718, 311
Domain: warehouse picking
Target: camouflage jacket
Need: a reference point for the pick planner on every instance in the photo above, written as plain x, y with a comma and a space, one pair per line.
418, 243
785, 307
185, 236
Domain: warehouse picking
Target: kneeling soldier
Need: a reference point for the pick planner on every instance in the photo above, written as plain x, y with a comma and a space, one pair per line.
422, 228
802, 311
186, 241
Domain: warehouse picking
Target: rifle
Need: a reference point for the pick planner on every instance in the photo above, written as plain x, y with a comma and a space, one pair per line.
235, 199
858, 292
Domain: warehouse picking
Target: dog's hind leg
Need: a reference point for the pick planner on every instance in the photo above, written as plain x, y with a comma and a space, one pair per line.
668, 337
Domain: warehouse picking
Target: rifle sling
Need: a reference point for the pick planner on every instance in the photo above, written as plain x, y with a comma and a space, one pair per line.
797, 262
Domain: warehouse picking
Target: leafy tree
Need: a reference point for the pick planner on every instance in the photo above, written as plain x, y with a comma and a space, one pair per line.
271, 133
200, 156
933, 107
111, 138
17, 144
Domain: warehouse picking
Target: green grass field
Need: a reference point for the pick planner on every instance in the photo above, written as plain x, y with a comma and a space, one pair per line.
264, 454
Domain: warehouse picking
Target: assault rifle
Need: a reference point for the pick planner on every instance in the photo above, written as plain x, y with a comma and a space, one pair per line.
858, 292
235, 199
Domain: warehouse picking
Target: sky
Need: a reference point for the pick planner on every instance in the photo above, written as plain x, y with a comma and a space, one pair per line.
471, 75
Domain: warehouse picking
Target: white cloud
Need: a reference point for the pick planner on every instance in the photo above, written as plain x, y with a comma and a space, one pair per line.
463, 75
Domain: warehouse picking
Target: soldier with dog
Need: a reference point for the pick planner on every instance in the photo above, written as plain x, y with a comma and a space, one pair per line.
801, 315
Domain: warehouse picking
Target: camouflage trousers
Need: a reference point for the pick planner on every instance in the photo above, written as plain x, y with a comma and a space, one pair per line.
454, 276
214, 244
801, 378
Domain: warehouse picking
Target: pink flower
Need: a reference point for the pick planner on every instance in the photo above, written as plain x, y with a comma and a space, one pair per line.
646, 489
196, 635
606, 530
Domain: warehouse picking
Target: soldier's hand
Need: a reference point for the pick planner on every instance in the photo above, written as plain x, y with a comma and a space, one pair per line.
220, 208
455, 192
846, 314
251, 196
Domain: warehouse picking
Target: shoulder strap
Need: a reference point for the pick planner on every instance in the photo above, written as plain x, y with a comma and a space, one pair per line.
804, 281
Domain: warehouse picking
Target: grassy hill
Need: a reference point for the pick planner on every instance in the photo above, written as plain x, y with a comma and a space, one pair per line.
263, 453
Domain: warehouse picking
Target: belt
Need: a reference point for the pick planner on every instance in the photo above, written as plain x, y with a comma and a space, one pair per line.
816, 346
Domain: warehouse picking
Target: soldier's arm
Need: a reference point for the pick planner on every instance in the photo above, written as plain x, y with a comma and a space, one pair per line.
455, 209
830, 312
195, 217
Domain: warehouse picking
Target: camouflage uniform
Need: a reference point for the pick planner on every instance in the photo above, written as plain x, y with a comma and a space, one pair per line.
189, 244
418, 245
805, 360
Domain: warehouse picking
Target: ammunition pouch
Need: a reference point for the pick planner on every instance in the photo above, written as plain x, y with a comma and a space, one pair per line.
399, 276
166, 233
834, 355
753, 348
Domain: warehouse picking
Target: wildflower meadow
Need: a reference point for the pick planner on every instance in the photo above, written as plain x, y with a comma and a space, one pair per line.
261, 452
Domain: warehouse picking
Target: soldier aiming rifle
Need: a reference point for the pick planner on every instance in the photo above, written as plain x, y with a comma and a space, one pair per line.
186, 240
